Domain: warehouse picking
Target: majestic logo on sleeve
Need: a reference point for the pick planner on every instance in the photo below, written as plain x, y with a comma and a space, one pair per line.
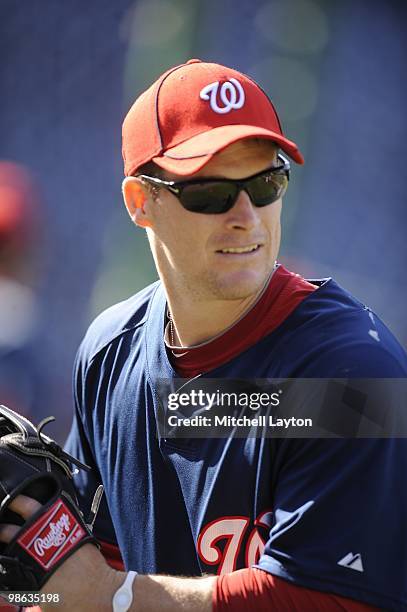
222, 541
52, 535
352, 561
231, 95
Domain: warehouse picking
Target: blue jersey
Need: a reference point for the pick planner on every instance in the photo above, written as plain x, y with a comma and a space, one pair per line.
328, 514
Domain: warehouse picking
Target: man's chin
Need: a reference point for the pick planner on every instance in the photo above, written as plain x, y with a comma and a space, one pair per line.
240, 287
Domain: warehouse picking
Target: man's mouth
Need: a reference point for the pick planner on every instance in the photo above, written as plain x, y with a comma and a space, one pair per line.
250, 248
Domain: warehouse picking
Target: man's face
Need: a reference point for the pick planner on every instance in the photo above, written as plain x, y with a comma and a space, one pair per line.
190, 249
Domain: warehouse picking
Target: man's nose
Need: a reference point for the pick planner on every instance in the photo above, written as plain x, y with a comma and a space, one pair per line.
243, 214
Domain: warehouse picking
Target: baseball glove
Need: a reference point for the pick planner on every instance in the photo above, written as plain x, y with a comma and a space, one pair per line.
33, 464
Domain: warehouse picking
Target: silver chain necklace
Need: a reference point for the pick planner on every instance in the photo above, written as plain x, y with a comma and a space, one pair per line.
172, 336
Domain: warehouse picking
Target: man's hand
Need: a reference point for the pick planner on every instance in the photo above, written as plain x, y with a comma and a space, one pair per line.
85, 582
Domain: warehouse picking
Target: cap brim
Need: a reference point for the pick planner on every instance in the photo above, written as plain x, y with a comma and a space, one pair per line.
193, 154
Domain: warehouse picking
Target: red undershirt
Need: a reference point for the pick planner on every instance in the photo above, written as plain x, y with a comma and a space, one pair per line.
283, 294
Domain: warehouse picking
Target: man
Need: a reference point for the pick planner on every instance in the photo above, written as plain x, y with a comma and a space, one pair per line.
287, 524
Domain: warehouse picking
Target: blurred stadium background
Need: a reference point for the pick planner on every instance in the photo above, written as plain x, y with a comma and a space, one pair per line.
68, 73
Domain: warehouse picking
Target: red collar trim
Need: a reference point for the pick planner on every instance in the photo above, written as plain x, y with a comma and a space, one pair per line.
284, 293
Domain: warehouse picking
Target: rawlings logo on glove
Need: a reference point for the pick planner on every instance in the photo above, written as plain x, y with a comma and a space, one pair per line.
53, 536
34, 465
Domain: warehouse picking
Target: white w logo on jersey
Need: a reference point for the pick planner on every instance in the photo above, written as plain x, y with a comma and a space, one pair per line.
231, 94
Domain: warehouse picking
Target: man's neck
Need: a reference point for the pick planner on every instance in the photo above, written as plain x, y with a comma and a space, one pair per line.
197, 322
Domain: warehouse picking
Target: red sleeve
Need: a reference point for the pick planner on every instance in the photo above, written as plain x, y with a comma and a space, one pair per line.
112, 555
5, 607
254, 589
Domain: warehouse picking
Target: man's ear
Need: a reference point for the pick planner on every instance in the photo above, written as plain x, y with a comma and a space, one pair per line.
135, 198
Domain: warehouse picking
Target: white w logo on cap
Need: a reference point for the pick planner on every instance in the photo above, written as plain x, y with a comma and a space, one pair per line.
228, 94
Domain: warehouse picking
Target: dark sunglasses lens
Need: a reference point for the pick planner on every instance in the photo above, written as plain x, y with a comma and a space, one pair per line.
267, 188
211, 198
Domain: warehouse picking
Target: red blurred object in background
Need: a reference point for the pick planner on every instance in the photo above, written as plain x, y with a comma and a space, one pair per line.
19, 199
20, 244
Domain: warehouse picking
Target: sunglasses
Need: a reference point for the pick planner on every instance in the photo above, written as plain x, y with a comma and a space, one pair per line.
216, 196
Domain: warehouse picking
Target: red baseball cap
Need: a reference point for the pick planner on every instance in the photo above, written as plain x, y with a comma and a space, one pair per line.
194, 111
